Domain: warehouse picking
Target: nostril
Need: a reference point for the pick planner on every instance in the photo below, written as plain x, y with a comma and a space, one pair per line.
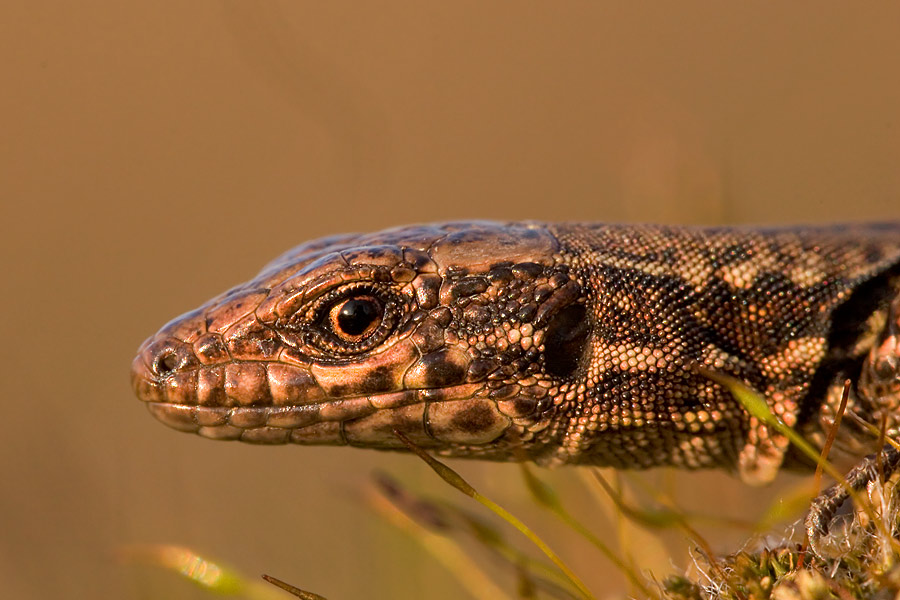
166, 363
164, 358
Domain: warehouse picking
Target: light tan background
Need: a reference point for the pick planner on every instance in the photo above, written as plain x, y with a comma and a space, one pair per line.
154, 153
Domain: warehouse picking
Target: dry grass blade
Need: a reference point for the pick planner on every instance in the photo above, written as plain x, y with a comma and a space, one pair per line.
541, 574
546, 497
832, 433
428, 524
303, 594
446, 519
668, 505
875, 431
454, 479
826, 451
660, 519
424, 519
632, 539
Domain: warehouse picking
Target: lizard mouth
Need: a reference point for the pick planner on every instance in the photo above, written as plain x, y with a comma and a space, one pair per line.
362, 420
273, 403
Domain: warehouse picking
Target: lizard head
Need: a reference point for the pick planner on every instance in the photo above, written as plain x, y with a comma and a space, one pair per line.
459, 336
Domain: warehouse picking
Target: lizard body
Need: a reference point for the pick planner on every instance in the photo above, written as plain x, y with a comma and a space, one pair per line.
559, 343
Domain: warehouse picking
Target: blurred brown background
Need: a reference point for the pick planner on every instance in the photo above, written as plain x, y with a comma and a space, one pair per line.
154, 153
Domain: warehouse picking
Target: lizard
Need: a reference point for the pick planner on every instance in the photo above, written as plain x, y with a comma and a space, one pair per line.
558, 343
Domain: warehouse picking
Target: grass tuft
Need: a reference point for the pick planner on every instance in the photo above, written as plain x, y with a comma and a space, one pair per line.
868, 568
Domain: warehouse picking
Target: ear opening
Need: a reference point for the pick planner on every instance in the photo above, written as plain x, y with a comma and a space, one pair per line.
565, 340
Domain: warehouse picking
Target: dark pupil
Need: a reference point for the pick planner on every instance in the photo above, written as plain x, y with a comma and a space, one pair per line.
356, 316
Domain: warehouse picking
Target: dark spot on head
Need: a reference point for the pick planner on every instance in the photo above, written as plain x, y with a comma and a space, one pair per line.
558, 280
442, 316
542, 292
339, 391
477, 314
469, 286
480, 368
404, 422
527, 269
441, 371
527, 312
380, 379
525, 405
565, 340
474, 420
501, 273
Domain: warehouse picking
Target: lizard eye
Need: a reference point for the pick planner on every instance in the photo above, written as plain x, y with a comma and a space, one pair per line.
349, 320
354, 318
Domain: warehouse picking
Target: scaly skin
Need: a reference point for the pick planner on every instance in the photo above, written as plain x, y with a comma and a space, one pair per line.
572, 343
560, 343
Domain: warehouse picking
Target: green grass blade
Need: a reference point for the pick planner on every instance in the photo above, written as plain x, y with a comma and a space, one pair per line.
757, 406
208, 574
793, 502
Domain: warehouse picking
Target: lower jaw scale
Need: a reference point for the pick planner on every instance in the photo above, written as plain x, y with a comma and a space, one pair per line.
368, 421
